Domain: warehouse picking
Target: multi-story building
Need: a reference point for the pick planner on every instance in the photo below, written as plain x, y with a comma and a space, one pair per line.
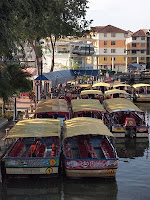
68, 53
110, 44
137, 47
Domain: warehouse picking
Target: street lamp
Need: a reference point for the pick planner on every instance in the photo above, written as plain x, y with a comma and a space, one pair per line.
15, 108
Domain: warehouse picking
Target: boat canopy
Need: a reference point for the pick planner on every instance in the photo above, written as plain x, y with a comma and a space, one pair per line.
101, 84
120, 104
85, 126
83, 92
141, 85
115, 91
36, 128
121, 85
52, 105
79, 105
82, 85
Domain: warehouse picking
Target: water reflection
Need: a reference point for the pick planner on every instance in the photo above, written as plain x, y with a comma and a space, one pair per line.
87, 189
27, 189
131, 147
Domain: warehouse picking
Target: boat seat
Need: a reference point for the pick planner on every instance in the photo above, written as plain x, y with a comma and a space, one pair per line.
83, 151
18, 150
41, 150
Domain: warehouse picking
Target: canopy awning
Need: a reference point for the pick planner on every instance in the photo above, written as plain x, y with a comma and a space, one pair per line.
120, 104
82, 105
52, 105
121, 85
83, 92
115, 91
85, 126
57, 77
141, 85
36, 128
101, 84
135, 66
82, 85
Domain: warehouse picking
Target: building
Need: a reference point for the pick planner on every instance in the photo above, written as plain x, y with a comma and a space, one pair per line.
137, 48
110, 43
69, 53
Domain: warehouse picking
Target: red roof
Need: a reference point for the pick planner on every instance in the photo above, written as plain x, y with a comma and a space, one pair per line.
108, 29
139, 33
30, 70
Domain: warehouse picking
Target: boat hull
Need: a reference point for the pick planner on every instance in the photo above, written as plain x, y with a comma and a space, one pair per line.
79, 173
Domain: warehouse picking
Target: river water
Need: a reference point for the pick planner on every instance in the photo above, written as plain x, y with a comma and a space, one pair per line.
132, 180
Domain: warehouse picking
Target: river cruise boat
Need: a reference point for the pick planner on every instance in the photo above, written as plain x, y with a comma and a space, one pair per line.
92, 94
124, 118
87, 108
52, 108
87, 150
141, 92
36, 149
116, 93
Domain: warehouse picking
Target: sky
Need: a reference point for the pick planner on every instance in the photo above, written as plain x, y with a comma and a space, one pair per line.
130, 15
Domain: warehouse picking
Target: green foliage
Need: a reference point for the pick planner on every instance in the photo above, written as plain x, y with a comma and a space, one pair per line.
13, 80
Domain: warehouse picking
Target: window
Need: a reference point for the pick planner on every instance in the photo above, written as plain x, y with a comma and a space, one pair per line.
105, 58
134, 38
105, 42
125, 50
134, 58
105, 50
113, 43
142, 38
134, 51
142, 51
133, 44
142, 44
105, 34
113, 50
113, 34
142, 58
114, 58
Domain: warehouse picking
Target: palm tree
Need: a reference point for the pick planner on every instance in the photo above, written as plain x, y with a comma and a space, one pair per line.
12, 81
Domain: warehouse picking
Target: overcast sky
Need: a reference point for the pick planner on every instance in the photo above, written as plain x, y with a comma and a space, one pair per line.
127, 15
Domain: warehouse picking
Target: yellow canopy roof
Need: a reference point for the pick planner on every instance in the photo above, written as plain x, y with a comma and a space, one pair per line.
52, 105
140, 85
83, 92
120, 104
120, 84
36, 128
79, 105
115, 91
82, 85
85, 126
101, 84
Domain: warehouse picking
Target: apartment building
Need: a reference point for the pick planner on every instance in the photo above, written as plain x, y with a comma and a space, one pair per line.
137, 47
68, 53
110, 47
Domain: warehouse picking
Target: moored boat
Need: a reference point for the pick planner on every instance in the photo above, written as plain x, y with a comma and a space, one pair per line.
36, 149
141, 92
87, 108
116, 93
87, 150
92, 94
125, 118
101, 86
52, 108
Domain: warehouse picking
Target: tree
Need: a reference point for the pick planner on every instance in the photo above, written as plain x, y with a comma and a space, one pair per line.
67, 20
13, 80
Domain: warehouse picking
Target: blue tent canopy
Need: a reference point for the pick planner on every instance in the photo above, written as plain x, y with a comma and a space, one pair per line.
63, 76
135, 66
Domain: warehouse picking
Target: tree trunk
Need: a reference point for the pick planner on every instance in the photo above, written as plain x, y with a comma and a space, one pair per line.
3, 107
53, 52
